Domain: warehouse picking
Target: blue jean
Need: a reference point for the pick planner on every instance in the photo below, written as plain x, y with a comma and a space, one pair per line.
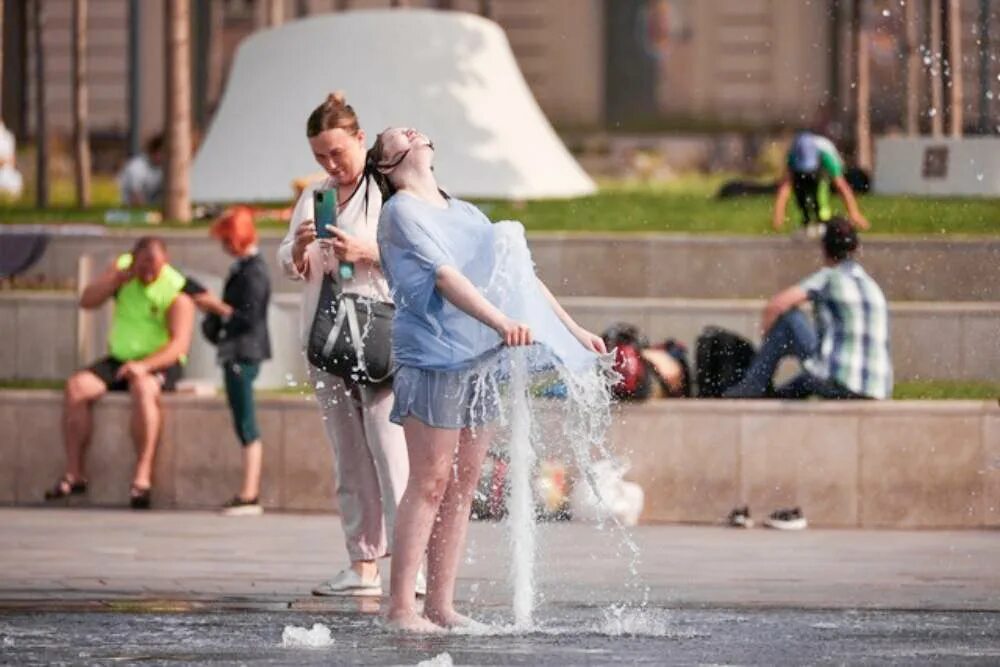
792, 333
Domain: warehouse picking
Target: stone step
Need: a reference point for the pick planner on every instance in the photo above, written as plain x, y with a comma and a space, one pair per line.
45, 336
630, 265
898, 464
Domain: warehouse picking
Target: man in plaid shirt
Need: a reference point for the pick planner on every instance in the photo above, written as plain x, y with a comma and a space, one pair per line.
846, 353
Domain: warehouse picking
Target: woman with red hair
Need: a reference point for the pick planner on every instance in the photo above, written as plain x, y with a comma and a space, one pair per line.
238, 327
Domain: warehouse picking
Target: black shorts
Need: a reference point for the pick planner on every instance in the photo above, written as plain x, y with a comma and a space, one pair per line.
106, 368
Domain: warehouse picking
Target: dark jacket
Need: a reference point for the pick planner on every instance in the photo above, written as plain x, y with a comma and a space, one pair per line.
243, 337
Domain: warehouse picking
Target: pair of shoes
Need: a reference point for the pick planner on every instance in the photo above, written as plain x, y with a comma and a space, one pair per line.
347, 582
787, 519
240, 507
140, 498
740, 517
66, 487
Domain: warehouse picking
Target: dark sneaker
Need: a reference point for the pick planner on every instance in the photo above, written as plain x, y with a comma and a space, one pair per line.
240, 507
140, 499
787, 519
740, 517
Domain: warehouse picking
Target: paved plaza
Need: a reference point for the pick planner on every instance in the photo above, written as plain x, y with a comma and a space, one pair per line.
104, 586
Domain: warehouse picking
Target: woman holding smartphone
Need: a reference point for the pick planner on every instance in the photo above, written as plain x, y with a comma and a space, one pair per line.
370, 451
465, 293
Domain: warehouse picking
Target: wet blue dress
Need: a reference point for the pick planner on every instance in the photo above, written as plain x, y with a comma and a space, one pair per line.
450, 365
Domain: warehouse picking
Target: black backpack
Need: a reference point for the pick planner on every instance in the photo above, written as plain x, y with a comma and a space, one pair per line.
722, 358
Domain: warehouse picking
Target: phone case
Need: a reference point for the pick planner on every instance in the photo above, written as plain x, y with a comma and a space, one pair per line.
325, 205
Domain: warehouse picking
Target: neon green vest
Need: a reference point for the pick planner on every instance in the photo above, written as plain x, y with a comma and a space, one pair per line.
139, 325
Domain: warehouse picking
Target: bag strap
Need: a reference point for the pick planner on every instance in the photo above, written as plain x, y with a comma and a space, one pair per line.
352, 324
338, 324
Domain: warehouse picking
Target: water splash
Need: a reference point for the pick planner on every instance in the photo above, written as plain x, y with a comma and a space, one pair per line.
440, 660
317, 637
522, 502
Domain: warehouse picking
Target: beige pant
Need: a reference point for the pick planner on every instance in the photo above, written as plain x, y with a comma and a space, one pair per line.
371, 461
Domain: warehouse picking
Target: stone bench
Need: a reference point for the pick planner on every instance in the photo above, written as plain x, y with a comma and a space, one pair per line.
913, 464
46, 338
630, 265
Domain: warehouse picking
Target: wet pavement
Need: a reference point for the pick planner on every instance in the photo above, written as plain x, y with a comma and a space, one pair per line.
565, 636
112, 587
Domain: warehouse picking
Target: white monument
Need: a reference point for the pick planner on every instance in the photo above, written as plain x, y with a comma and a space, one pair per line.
450, 74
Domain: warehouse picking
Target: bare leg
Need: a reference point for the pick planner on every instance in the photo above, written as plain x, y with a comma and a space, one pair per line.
253, 454
145, 392
431, 453
82, 389
447, 543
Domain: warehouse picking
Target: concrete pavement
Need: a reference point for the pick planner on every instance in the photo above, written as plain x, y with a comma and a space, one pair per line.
50, 558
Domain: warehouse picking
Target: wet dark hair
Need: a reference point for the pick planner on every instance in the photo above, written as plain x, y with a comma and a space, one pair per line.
332, 114
840, 239
376, 158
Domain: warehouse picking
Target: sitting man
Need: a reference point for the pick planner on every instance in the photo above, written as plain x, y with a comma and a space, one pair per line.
149, 339
813, 165
846, 355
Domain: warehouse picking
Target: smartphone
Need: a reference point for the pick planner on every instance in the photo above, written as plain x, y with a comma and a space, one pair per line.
325, 207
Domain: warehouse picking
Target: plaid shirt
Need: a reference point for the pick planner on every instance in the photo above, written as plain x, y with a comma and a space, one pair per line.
852, 324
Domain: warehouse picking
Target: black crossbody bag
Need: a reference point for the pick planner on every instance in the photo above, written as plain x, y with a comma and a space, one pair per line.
351, 336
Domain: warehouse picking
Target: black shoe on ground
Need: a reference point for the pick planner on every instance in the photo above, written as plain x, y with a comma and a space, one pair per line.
140, 499
65, 488
787, 519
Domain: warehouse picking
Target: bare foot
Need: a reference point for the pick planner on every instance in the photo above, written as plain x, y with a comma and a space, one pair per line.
413, 623
453, 620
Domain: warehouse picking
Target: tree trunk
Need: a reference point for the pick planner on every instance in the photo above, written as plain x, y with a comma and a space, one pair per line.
862, 124
177, 202
81, 138
343, 5
937, 63
446, 4
400, 3
486, 8
984, 66
912, 70
41, 129
275, 13
956, 93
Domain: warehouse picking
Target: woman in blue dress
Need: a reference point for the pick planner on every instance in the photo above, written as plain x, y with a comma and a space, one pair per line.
465, 294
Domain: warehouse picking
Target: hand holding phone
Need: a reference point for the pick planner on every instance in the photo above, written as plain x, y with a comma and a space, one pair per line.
325, 211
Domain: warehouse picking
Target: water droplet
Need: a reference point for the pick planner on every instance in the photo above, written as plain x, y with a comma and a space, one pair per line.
885, 12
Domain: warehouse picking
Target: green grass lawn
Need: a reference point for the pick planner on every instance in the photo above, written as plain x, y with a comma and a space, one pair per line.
684, 205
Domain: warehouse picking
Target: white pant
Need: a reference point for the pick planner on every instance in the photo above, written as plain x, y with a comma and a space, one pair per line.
371, 460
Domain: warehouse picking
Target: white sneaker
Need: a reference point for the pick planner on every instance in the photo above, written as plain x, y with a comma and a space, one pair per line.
421, 586
787, 519
347, 582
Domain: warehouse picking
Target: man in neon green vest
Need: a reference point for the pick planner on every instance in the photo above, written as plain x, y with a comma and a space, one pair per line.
149, 339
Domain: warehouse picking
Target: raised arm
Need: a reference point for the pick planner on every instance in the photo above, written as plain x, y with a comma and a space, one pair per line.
104, 287
457, 289
292, 256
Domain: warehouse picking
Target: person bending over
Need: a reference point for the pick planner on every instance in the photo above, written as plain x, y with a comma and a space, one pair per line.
813, 165
845, 354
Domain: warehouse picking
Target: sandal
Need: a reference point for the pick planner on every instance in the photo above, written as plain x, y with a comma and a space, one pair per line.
139, 498
65, 488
